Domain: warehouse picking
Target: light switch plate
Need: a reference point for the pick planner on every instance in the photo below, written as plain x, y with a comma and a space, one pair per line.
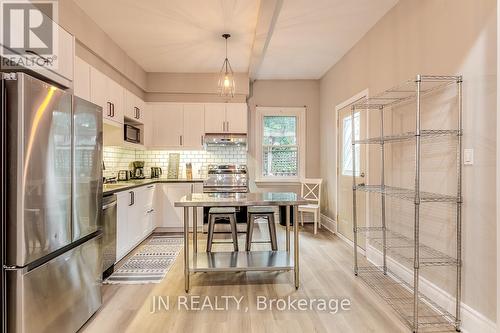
468, 156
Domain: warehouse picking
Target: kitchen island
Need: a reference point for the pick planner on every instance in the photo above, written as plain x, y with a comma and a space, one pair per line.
282, 260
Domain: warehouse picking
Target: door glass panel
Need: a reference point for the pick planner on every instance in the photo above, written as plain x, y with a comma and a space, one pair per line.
347, 167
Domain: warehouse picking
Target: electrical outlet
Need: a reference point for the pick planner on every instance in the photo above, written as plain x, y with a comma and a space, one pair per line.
468, 156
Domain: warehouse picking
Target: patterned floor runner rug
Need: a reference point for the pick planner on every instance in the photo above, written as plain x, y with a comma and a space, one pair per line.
150, 263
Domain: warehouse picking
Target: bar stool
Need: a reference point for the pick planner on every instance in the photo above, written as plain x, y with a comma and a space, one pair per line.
267, 213
221, 213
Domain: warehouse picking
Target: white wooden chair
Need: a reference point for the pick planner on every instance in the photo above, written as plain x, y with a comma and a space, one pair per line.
311, 191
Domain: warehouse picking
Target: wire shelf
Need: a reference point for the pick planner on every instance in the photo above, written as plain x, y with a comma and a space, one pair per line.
406, 92
368, 229
400, 296
407, 194
424, 134
409, 303
401, 247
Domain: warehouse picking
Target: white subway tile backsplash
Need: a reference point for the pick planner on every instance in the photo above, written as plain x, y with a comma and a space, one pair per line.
118, 158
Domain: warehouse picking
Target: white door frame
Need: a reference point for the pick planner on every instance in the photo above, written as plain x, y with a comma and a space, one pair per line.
498, 167
340, 106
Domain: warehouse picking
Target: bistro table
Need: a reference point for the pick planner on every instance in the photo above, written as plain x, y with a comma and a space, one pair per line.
243, 260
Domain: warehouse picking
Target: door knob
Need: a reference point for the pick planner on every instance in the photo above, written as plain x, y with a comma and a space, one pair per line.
362, 175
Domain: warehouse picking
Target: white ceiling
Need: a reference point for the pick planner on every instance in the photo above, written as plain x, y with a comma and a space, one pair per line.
312, 35
183, 36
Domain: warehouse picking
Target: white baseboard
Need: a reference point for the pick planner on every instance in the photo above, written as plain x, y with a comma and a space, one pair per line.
472, 320
328, 223
350, 243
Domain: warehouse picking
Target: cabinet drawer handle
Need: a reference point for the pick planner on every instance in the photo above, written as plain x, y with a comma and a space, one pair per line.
202, 140
180, 139
227, 126
132, 198
150, 186
109, 109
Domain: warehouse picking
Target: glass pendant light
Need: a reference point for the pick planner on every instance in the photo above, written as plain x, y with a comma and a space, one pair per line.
226, 76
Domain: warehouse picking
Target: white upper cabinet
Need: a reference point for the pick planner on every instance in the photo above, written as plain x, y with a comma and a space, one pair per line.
177, 125
148, 125
236, 118
116, 97
134, 107
215, 118
167, 125
98, 91
193, 126
66, 53
81, 82
109, 95
226, 118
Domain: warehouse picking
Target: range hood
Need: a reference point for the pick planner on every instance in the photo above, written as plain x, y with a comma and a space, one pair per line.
226, 139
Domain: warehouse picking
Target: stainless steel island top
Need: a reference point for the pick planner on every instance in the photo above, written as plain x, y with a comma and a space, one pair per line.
241, 199
281, 260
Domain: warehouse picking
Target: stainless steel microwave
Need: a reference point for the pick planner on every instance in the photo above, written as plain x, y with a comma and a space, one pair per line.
132, 134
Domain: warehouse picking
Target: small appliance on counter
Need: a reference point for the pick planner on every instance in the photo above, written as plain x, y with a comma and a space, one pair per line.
123, 175
138, 172
156, 172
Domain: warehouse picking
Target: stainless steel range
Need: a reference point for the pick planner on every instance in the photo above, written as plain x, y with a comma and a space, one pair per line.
226, 178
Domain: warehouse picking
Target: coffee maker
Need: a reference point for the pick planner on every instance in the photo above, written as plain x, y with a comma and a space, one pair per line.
138, 172
156, 172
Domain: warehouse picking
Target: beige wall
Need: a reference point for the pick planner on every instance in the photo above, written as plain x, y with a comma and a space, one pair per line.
192, 87
97, 48
433, 37
287, 93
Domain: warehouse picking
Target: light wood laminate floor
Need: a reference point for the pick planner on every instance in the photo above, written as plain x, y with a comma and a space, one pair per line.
325, 271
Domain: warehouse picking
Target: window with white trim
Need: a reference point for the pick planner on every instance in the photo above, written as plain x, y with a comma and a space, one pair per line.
280, 142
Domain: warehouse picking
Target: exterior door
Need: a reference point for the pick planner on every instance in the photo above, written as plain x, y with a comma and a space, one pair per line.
345, 173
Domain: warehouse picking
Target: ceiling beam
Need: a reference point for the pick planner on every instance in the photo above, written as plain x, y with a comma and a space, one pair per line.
268, 14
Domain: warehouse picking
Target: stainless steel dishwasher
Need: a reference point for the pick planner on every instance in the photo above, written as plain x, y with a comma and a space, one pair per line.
109, 235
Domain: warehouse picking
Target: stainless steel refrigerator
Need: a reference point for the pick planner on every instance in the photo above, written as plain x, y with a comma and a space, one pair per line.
51, 207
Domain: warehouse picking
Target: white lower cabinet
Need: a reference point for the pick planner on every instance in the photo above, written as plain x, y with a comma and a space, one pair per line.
170, 217
135, 218
142, 209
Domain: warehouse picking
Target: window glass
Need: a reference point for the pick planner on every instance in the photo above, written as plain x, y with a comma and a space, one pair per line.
279, 146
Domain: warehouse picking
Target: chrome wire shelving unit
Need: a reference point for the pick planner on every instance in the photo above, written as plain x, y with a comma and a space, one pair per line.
416, 310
